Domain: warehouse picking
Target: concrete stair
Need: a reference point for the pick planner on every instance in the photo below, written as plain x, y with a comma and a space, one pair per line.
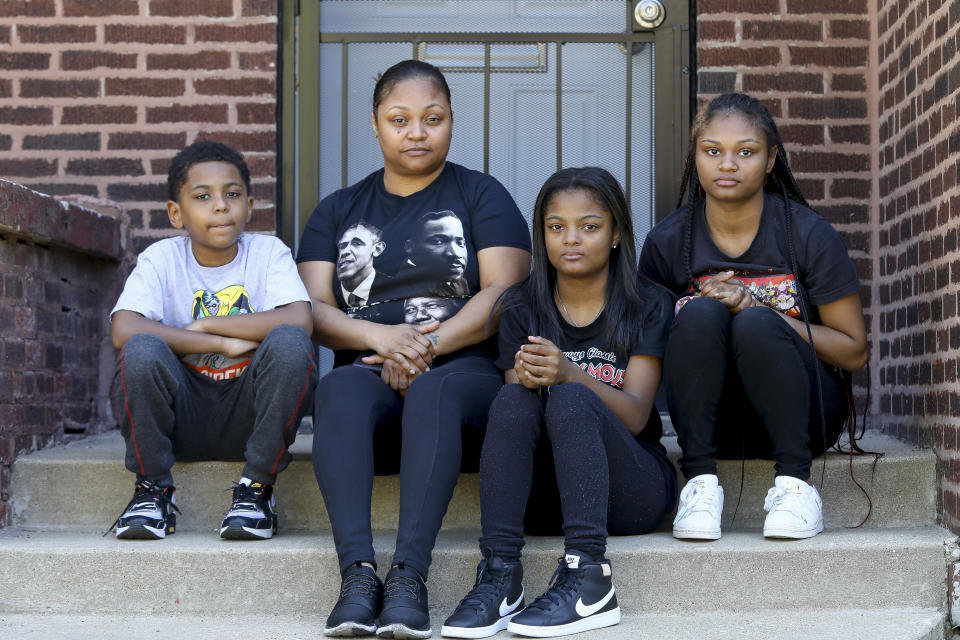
60, 578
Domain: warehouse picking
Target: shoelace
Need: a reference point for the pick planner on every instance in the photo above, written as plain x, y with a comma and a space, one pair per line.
360, 584
564, 584
696, 497
485, 590
402, 586
787, 500
247, 497
146, 493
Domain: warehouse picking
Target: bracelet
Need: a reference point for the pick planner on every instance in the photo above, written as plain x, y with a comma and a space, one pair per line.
435, 339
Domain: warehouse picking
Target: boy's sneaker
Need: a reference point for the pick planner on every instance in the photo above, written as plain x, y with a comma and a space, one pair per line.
252, 516
357, 608
496, 597
580, 597
404, 614
149, 515
698, 514
793, 510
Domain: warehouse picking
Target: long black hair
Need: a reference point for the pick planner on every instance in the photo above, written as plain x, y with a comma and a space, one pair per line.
782, 181
627, 310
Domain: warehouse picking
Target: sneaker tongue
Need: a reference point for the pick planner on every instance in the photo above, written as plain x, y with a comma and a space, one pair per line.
572, 560
787, 483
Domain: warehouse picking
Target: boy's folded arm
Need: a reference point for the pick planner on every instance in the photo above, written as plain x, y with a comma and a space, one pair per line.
125, 324
256, 326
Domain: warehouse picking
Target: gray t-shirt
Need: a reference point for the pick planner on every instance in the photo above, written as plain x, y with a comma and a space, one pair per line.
169, 286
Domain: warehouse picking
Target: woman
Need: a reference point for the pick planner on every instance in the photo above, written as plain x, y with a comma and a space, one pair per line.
420, 227
580, 346
769, 321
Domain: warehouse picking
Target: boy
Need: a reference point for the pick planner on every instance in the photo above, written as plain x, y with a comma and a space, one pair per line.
216, 360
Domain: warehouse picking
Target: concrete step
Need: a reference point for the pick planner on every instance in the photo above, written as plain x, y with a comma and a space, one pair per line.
884, 624
196, 573
85, 483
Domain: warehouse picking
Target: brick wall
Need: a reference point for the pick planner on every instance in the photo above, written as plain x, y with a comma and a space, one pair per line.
918, 260
58, 279
98, 95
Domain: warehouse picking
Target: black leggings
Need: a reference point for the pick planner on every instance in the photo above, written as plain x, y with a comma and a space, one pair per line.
744, 387
351, 404
607, 481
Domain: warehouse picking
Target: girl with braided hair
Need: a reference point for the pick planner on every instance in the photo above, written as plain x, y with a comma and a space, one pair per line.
768, 322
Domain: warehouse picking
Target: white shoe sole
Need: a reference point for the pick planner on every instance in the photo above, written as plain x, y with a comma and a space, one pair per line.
596, 621
141, 532
350, 629
696, 534
402, 632
477, 632
792, 534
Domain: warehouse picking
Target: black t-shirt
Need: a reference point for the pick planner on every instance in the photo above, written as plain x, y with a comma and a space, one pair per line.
587, 348
411, 258
823, 265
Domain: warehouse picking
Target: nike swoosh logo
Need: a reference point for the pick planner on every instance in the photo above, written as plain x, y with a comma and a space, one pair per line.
584, 610
506, 608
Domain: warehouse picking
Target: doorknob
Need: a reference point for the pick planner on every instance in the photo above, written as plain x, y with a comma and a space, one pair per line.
648, 14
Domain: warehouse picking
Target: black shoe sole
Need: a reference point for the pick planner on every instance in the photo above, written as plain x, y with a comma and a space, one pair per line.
239, 532
139, 532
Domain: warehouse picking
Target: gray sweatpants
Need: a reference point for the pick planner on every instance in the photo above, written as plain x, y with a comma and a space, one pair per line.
168, 411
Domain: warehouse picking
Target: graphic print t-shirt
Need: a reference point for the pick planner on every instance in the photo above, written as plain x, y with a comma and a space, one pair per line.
413, 258
169, 286
824, 267
586, 347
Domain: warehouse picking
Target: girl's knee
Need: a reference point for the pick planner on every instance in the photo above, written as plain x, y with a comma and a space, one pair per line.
569, 403
700, 314
756, 326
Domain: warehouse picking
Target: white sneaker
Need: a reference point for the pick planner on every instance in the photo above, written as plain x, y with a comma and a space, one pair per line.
793, 510
698, 515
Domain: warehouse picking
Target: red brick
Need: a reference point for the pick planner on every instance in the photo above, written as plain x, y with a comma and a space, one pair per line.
818, 108
258, 8
98, 8
811, 188
848, 82
188, 113
201, 60
58, 33
86, 60
28, 61
183, 8
829, 56
262, 166
137, 192
858, 29
850, 188
793, 82
716, 82
263, 219
856, 7
149, 141
147, 34
786, 30
244, 142
235, 86
738, 6
160, 166
261, 61
5, 34
739, 56
31, 8
6, 88
27, 168
6, 142
105, 167
802, 134
30, 88
99, 115
825, 162
246, 33
859, 133
256, 113
155, 87
722, 30
66, 141
26, 115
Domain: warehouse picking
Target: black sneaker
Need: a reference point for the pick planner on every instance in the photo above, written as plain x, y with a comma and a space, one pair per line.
580, 597
252, 515
496, 597
149, 515
361, 596
404, 613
